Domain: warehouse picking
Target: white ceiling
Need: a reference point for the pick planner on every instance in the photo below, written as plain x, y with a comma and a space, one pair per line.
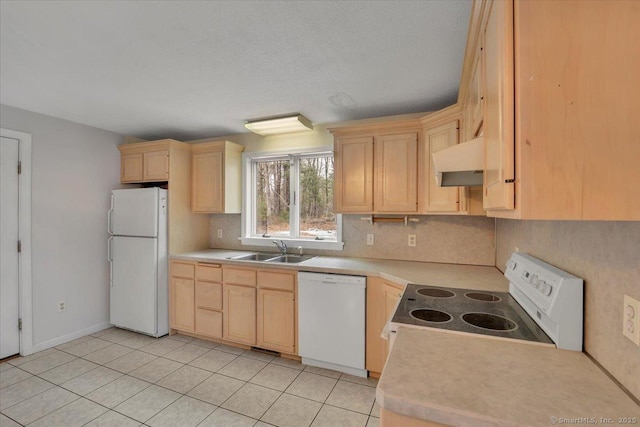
190, 70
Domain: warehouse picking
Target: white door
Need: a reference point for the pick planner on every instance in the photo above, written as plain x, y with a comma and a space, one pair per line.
134, 212
9, 334
134, 283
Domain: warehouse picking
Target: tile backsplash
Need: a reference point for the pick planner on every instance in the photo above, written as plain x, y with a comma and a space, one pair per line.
607, 256
445, 239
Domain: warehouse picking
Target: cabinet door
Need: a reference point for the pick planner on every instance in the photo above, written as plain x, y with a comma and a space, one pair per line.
183, 304
391, 295
396, 162
207, 182
441, 199
209, 295
131, 167
474, 102
209, 323
498, 124
276, 320
156, 166
353, 175
239, 316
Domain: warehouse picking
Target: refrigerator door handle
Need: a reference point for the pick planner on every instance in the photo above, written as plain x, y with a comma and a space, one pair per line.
110, 261
109, 216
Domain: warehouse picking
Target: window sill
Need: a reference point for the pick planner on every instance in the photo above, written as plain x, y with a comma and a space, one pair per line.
293, 244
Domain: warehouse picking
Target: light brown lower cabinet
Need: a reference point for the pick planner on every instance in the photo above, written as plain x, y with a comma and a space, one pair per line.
182, 304
276, 320
394, 419
239, 314
208, 309
382, 297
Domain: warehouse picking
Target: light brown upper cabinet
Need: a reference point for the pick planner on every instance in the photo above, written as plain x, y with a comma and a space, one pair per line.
376, 167
145, 161
216, 177
559, 82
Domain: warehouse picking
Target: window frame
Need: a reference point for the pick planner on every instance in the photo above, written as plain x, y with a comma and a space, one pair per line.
248, 220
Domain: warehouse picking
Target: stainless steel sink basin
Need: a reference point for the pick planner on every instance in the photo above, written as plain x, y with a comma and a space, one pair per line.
291, 258
254, 257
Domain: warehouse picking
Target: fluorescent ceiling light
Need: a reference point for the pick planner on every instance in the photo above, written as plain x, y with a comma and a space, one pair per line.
279, 125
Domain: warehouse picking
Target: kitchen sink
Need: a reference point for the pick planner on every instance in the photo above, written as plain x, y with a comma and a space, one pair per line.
271, 257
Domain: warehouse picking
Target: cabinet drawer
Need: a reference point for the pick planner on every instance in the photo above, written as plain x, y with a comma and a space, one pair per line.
239, 276
209, 323
211, 273
274, 280
209, 295
182, 269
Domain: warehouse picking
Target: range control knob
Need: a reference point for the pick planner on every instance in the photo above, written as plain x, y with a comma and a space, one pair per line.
534, 281
513, 265
549, 289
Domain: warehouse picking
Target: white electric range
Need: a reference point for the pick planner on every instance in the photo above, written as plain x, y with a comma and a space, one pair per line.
544, 306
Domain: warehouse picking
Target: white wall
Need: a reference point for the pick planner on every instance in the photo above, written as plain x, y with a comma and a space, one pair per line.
74, 167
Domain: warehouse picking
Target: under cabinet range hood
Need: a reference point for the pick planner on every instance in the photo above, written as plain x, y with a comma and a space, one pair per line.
460, 165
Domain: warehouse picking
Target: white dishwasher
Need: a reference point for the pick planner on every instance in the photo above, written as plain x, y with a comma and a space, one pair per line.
331, 321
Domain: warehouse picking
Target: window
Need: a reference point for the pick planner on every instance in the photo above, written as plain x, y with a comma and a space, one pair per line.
290, 197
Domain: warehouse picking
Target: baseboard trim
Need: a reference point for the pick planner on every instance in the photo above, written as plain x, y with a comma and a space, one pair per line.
69, 337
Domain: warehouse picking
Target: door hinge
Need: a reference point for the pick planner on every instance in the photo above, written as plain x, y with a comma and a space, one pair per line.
19, 168
19, 246
19, 324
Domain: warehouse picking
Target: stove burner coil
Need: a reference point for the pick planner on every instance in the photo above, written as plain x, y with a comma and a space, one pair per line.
489, 321
481, 296
428, 315
435, 293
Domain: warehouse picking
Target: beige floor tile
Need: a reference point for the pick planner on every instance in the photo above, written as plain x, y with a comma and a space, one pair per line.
68, 371
186, 353
184, 412
162, 346
45, 363
251, 400
242, 368
258, 355
230, 349
223, 418
204, 343
156, 370
104, 331
182, 338
5, 365
184, 379
117, 335
147, 403
86, 347
213, 360
216, 389
12, 375
107, 354
354, 397
312, 386
330, 416
7, 422
322, 371
40, 405
75, 414
292, 411
116, 392
131, 361
373, 422
138, 341
92, 380
23, 390
22, 360
289, 363
73, 342
375, 411
113, 419
369, 381
263, 424
276, 377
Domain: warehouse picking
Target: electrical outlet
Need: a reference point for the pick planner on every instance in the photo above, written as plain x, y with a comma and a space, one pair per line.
219, 233
370, 239
61, 306
412, 240
630, 322
516, 249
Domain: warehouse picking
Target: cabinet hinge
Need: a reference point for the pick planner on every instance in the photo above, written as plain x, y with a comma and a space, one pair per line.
19, 168
509, 180
19, 246
19, 324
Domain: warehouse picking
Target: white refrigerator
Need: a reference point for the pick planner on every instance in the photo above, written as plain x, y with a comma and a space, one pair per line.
137, 253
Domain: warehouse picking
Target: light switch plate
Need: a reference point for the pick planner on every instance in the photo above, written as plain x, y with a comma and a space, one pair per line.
631, 319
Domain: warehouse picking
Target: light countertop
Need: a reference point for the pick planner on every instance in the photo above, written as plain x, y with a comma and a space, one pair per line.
475, 381
402, 272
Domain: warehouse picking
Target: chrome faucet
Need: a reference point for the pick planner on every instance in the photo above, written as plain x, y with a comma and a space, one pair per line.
281, 245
